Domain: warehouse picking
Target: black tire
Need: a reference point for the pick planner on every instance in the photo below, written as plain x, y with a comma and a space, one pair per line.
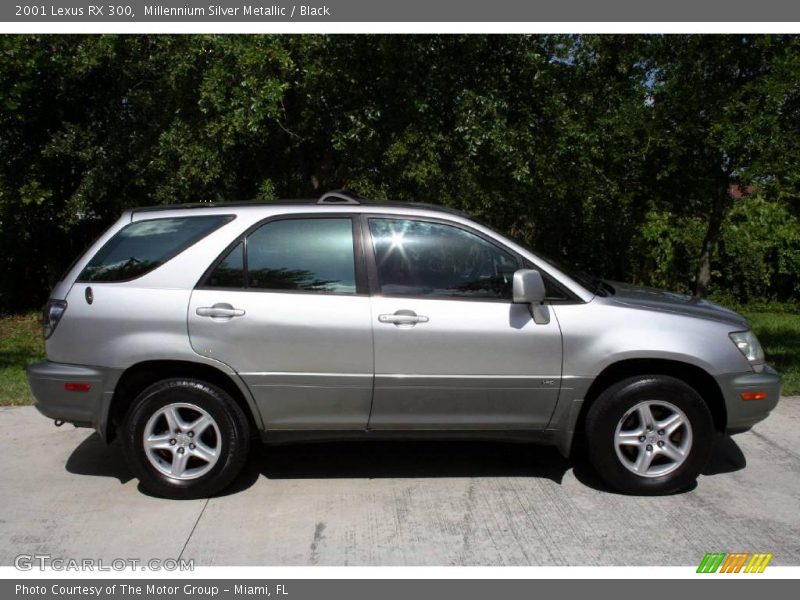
233, 440
611, 406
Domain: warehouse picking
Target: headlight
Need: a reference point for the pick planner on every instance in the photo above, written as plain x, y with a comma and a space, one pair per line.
747, 343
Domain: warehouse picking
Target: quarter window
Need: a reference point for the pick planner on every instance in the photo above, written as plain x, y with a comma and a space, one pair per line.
140, 247
421, 258
229, 273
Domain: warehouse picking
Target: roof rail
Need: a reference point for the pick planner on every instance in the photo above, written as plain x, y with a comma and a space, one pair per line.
339, 197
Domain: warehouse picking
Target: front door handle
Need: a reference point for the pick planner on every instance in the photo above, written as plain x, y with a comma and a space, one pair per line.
403, 318
221, 310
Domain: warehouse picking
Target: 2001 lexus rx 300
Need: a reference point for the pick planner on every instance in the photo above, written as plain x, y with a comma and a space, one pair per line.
187, 330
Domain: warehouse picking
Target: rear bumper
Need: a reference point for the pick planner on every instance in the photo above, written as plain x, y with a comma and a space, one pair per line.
743, 414
85, 408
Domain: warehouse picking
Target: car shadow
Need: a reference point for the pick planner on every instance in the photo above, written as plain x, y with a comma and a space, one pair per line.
400, 460
408, 459
395, 459
95, 458
726, 457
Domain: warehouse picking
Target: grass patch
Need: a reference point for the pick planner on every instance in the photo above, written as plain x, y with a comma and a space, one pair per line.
779, 333
21, 344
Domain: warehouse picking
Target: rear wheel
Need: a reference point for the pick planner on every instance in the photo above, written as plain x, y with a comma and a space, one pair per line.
649, 435
185, 438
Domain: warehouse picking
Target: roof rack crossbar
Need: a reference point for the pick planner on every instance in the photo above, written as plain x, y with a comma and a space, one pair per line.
338, 197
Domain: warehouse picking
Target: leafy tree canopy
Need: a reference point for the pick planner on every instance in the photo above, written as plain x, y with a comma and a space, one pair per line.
664, 160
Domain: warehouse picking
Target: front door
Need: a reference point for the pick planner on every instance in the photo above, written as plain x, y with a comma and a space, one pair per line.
451, 349
284, 310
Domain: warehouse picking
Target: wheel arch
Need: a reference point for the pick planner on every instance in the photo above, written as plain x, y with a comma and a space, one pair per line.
697, 378
140, 375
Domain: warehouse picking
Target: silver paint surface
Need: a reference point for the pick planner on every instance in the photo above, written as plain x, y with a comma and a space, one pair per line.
308, 361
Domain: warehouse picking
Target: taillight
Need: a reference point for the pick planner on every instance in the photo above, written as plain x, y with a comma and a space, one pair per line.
53, 311
72, 386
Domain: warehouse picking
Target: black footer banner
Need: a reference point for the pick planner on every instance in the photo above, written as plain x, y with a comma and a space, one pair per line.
387, 589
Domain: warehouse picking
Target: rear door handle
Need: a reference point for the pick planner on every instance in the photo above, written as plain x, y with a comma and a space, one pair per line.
221, 310
407, 318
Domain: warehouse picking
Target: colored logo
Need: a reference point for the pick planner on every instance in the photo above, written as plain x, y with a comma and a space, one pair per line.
735, 562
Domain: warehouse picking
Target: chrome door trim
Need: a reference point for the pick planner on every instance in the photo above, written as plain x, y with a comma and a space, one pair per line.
473, 382
305, 373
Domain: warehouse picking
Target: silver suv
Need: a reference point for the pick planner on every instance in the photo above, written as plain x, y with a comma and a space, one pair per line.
188, 330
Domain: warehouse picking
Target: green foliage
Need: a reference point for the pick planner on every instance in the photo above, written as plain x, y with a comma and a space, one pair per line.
669, 245
614, 152
758, 258
760, 251
725, 116
21, 344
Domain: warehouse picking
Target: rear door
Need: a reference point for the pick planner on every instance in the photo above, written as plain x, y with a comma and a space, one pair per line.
451, 349
287, 308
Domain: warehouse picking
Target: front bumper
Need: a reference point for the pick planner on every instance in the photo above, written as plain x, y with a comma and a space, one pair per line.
743, 414
82, 407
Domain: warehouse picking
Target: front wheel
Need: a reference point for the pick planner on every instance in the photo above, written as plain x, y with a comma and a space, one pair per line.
649, 435
185, 438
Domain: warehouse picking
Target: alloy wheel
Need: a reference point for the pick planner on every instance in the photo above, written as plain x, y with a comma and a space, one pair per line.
182, 441
653, 438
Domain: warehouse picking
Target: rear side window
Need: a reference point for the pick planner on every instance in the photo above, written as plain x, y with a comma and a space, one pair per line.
309, 255
140, 247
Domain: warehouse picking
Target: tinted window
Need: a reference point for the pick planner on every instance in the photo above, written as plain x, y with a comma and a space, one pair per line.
229, 273
314, 255
142, 246
419, 258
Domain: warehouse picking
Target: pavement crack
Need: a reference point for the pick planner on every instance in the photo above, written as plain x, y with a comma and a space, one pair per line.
771, 442
318, 537
191, 533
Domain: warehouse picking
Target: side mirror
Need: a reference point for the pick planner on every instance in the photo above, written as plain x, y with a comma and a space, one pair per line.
528, 288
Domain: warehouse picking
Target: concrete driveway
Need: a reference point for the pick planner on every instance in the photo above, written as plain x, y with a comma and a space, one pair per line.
63, 493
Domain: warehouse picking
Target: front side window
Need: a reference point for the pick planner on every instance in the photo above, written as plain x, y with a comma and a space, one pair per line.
140, 247
311, 255
421, 258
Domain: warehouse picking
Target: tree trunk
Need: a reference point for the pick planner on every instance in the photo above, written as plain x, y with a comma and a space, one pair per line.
715, 218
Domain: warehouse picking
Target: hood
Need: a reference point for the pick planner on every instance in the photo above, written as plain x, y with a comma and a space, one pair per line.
682, 304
